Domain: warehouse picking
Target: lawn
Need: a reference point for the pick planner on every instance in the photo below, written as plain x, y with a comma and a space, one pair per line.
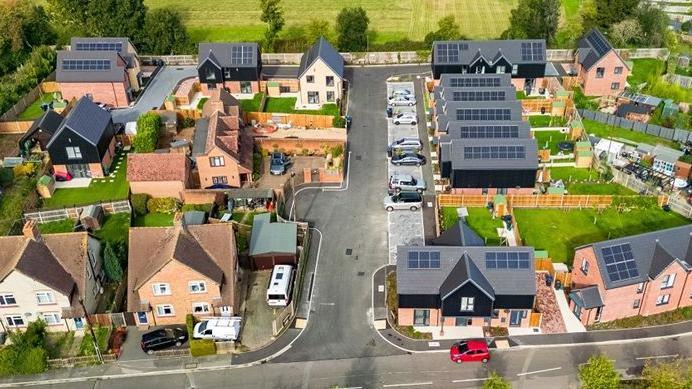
287, 104
546, 121
100, 189
560, 231
674, 316
33, 111
154, 220
479, 220
602, 130
87, 345
251, 105
643, 68
239, 20
549, 140
114, 227
66, 225
585, 181
16, 198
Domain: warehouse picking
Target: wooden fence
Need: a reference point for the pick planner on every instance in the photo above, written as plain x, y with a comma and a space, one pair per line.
294, 119
537, 105
535, 319
15, 127
533, 201
74, 212
547, 265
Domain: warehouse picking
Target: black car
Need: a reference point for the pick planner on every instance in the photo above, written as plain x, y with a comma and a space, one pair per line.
163, 338
408, 159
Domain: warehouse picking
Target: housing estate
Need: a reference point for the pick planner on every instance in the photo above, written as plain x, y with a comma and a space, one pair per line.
57, 278
158, 174
180, 270
236, 67
320, 75
272, 244
637, 275
600, 69
84, 143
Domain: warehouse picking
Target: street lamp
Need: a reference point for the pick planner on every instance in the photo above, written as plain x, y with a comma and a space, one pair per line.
293, 195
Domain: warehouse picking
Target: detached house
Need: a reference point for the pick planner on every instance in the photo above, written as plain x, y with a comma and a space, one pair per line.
320, 75
600, 69
236, 67
52, 277
638, 275
180, 270
84, 143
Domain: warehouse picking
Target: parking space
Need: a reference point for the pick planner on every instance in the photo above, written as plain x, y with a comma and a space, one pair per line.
270, 181
405, 226
258, 316
132, 349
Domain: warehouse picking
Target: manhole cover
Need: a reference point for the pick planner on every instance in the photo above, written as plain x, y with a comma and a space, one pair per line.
349, 251
358, 157
361, 273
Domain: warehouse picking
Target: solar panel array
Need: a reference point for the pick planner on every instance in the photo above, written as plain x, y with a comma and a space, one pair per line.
241, 55
474, 82
99, 46
480, 132
484, 114
494, 152
620, 263
479, 95
532, 51
423, 259
447, 53
599, 44
507, 260
86, 64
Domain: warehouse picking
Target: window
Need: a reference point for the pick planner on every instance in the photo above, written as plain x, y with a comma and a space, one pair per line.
421, 317
73, 152
617, 70
584, 266
197, 286
640, 288
330, 96
500, 70
51, 318
600, 72
663, 299
78, 323
44, 298
515, 70
211, 75
615, 86
226, 74
599, 310
636, 304
7, 299
496, 313
330, 80
200, 308
467, 303
313, 97
219, 180
15, 321
142, 318
217, 161
161, 289
246, 87
310, 79
165, 310
668, 281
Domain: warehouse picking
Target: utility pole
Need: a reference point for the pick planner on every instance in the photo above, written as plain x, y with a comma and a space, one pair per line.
293, 195
93, 335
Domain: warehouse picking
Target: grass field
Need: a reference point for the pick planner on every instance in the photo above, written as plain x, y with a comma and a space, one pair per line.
238, 20
644, 67
604, 130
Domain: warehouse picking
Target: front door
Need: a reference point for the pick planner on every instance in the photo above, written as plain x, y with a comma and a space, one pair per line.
528, 86
79, 170
515, 318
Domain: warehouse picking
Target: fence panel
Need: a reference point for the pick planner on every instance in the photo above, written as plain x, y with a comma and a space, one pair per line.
651, 129
639, 127
668, 133
74, 212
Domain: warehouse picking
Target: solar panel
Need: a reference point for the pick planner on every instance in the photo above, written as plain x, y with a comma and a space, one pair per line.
532, 51
99, 46
441, 53
241, 55
494, 152
599, 43
474, 82
86, 65
507, 260
478, 96
482, 132
453, 53
620, 263
484, 114
423, 259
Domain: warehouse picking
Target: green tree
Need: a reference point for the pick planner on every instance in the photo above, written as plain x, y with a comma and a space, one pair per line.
352, 29
165, 33
447, 29
147, 135
111, 263
495, 381
654, 25
317, 28
668, 375
273, 15
24, 27
599, 373
605, 13
625, 33
534, 19
27, 353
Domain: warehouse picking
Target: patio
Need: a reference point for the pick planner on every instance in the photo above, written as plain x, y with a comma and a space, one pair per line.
551, 321
73, 183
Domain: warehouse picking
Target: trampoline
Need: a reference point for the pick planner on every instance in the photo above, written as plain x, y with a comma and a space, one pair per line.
565, 146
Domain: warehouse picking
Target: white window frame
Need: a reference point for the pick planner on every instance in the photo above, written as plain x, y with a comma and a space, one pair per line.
12, 321
73, 152
515, 70
467, 304
614, 85
4, 297
668, 281
201, 287
640, 288
217, 161
332, 99
156, 288
584, 266
161, 307
48, 294
53, 315
663, 299
500, 69
202, 305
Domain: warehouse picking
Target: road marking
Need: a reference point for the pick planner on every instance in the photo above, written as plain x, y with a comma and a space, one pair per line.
433, 344
659, 356
539, 371
330, 304
470, 380
411, 384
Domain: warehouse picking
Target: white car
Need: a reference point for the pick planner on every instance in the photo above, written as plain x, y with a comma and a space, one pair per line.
218, 328
401, 100
405, 118
402, 92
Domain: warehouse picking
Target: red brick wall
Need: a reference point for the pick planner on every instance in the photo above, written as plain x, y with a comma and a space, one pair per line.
654, 290
683, 170
405, 318
601, 86
113, 93
263, 262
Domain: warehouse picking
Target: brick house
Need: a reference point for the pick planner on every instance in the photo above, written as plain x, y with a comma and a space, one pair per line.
180, 270
84, 143
321, 75
158, 174
47, 276
236, 67
600, 69
272, 244
637, 275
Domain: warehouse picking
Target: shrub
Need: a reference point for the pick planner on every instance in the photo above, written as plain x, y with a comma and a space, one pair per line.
337, 151
139, 203
257, 165
111, 263
147, 133
198, 207
162, 205
25, 169
339, 122
6, 177
187, 122
599, 373
27, 353
202, 347
495, 381
190, 324
13, 86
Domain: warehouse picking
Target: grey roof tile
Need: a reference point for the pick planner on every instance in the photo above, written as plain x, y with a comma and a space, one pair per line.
268, 237
323, 50
88, 120
456, 155
588, 297
511, 50
221, 54
459, 235
116, 73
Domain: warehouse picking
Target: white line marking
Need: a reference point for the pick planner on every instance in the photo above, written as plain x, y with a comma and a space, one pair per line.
331, 304
411, 384
470, 380
539, 371
659, 356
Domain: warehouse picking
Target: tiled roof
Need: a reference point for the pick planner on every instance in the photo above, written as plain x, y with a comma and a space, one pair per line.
322, 50
157, 167
270, 237
87, 120
588, 297
491, 49
116, 72
220, 54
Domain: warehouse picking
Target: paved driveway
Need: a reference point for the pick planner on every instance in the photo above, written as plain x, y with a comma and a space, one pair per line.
155, 92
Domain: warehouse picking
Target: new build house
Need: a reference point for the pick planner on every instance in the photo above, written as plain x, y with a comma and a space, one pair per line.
637, 275
236, 67
321, 75
600, 69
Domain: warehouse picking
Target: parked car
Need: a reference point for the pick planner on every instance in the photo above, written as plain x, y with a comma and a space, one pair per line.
405, 144
405, 118
220, 328
405, 183
279, 164
163, 338
63, 176
469, 351
401, 100
403, 200
408, 159
403, 92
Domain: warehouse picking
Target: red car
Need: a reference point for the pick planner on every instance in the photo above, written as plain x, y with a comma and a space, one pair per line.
469, 351
63, 176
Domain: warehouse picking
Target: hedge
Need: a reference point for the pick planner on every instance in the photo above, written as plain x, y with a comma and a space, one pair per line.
197, 207
162, 205
139, 203
147, 135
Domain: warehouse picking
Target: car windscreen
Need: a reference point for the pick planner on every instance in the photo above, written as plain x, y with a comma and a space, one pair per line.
463, 347
203, 326
276, 297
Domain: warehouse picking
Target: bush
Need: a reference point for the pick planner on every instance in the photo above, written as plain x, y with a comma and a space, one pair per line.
339, 122
147, 133
27, 353
139, 203
13, 86
25, 169
337, 151
198, 207
190, 324
6, 177
187, 122
111, 263
257, 165
202, 347
166, 205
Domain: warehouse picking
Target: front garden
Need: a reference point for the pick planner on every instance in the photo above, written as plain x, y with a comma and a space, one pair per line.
674, 316
287, 105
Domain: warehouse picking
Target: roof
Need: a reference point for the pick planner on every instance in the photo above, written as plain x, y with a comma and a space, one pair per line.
459, 235
483, 129
449, 108
222, 54
220, 100
588, 297
592, 47
459, 80
157, 167
639, 98
327, 53
249, 193
624, 109
193, 218
224, 134
208, 249
490, 50
496, 93
199, 141
113, 73
280, 71
430, 281
88, 120
666, 154
268, 237
457, 156
465, 270
48, 123
652, 252
105, 43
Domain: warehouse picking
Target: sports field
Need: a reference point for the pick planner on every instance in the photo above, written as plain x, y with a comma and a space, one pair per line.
238, 20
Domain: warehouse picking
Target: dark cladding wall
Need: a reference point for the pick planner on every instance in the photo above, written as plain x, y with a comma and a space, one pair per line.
482, 305
523, 70
419, 301
514, 302
493, 178
67, 138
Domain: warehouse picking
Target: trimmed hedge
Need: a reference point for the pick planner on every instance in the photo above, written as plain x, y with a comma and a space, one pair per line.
197, 207
139, 203
147, 136
198, 347
166, 205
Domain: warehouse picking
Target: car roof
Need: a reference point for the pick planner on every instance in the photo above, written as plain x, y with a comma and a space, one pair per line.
153, 334
476, 344
402, 176
410, 194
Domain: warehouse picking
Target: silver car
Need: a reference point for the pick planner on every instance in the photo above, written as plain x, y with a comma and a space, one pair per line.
401, 100
403, 200
405, 118
403, 92
400, 182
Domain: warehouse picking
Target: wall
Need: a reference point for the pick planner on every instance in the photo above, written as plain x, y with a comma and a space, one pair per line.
92, 282
676, 134
202, 196
104, 92
158, 188
653, 291
405, 318
296, 146
206, 171
602, 86
18, 127
295, 119
319, 71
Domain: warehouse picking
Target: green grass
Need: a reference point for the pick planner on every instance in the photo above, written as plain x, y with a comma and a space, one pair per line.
674, 316
239, 20
602, 188
546, 121
251, 105
114, 227
15, 199
602, 130
154, 220
550, 140
683, 72
201, 102
586, 181
560, 231
643, 68
479, 220
280, 104
33, 111
99, 190
87, 345
570, 9
56, 227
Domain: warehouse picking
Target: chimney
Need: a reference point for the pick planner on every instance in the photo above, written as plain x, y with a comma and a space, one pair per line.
31, 231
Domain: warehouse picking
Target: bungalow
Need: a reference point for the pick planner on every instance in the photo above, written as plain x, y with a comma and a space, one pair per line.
272, 244
321, 75
600, 69
158, 174
236, 67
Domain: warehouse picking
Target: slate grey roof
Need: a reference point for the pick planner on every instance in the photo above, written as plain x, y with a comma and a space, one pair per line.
624, 109
447, 92
641, 98
588, 297
587, 54
429, 281
125, 53
86, 119
452, 128
505, 79
490, 50
674, 241
193, 218
465, 271
280, 71
48, 123
199, 142
449, 108
267, 237
116, 73
322, 50
459, 235
220, 54
666, 154
455, 154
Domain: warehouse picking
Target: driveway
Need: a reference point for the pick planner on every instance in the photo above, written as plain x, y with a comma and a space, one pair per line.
258, 316
131, 349
269, 181
155, 92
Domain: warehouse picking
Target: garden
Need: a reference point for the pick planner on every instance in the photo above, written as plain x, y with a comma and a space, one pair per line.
251, 105
287, 105
602, 130
547, 121
34, 111
480, 221
587, 181
550, 140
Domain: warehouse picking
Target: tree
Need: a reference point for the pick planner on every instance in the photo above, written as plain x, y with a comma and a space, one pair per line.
352, 29
625, 33
599, 373
654, 25
495, 381
668, 375
317, 28
111, 263
26, 354
447, 29
147, 133
273, 15
166, 33
534, 19
606, 13
24, 27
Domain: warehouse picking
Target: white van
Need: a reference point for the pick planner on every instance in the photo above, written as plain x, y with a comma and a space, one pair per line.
217, 328
280, 286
